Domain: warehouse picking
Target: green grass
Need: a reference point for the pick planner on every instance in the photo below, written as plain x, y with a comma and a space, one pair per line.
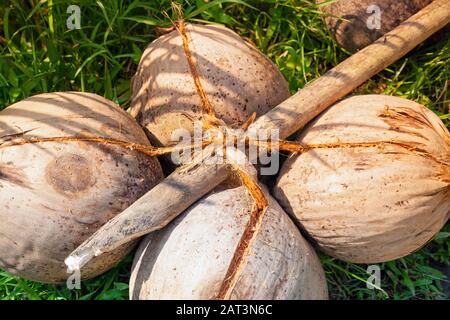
38, 54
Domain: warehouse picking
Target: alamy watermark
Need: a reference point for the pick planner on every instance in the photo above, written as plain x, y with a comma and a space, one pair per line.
74, 20
374, 21
229, 145
74, 280
374, 280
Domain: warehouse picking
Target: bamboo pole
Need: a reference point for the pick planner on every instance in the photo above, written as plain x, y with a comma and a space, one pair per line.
180, 190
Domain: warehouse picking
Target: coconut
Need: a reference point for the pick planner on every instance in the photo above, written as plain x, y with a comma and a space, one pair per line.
237, 80
189, 258
376, 202
354, 22
54, 195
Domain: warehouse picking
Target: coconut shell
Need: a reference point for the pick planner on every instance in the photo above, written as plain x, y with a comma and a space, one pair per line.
55, 195
237, 78
347, 19
189, 258
370, 204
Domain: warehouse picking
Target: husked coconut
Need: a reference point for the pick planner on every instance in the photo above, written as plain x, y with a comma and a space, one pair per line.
54, 195
189, 258
237, 80
357, 23
377, 202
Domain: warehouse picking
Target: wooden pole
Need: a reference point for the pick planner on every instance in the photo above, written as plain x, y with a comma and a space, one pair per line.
180, 190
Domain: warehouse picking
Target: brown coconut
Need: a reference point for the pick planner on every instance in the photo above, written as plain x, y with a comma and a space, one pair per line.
55, 195
374, 203
189, 258
237, 79
347, 19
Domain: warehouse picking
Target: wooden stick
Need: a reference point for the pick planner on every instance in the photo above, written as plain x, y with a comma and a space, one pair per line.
180, 190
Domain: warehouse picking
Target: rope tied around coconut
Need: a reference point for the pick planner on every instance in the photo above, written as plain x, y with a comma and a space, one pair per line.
145, 149
215, 145
89, 249
211, 122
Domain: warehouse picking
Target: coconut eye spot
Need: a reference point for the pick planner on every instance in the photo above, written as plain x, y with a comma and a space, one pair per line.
70, 174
